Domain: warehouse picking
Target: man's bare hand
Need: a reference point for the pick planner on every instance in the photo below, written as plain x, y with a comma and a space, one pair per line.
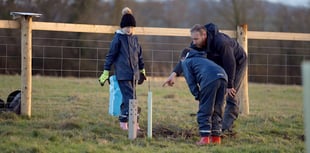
171, 79
231, 92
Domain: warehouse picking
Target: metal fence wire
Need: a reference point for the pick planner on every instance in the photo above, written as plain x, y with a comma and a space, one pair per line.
269, 61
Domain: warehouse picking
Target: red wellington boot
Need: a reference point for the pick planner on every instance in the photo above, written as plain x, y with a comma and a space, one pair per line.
216, 139
203, 141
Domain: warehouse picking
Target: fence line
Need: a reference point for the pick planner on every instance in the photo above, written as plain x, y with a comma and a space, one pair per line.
172, 61
155, 31
151, 61
26, 25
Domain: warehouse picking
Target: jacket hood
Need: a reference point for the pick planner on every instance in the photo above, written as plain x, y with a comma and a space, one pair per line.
212, 29
120, 32
195, 53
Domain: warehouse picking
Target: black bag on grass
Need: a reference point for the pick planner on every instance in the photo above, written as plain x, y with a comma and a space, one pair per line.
2, 105
13, 102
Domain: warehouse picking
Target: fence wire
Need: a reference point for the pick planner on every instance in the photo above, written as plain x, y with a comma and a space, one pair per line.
85, 58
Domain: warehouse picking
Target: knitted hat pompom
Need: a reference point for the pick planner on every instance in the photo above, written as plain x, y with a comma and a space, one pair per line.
126, 10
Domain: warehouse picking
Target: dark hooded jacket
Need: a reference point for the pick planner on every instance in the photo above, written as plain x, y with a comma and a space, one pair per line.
126, 55
199, 72
223, 50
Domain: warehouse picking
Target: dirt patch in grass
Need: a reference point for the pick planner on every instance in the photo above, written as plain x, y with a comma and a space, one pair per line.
170, 132
169, 96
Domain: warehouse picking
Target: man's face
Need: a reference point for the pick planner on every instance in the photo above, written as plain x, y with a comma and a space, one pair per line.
199, 40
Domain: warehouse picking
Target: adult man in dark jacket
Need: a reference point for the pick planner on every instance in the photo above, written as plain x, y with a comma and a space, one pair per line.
227, 53
207, 82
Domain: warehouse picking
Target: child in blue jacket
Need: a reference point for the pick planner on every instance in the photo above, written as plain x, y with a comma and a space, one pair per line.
126, 55
207, 82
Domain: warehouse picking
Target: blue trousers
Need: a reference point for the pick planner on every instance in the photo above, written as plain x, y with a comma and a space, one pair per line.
232, 104
211, 108
127, 90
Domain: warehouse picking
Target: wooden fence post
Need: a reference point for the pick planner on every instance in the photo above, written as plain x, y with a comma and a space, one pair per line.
306, 88
26, 69
26, 59
243, 96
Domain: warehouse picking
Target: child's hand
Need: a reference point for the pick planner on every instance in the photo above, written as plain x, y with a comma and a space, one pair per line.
171, 79
104, 77
142, 76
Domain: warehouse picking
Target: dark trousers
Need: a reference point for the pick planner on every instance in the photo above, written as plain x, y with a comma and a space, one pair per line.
211, 107
232, 104
127, 90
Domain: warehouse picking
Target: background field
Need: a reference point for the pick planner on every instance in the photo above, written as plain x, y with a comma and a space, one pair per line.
71, 115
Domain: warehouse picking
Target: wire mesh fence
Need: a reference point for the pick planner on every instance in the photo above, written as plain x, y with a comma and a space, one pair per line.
85, 58
78, 62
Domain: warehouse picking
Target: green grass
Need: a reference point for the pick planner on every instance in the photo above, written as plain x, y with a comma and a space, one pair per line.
71, 115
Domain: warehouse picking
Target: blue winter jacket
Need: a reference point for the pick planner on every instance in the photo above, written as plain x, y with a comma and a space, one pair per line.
126, 55
199, 72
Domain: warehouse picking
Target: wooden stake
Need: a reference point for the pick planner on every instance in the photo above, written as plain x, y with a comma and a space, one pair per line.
133, 117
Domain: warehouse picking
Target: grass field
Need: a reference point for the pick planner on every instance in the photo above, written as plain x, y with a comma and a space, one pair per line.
71, 115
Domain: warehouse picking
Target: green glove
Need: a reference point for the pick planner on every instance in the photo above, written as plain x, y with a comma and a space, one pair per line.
143, 71
142, 76
104, 77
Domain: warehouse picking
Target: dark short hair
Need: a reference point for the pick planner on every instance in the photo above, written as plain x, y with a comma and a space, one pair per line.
198, 28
